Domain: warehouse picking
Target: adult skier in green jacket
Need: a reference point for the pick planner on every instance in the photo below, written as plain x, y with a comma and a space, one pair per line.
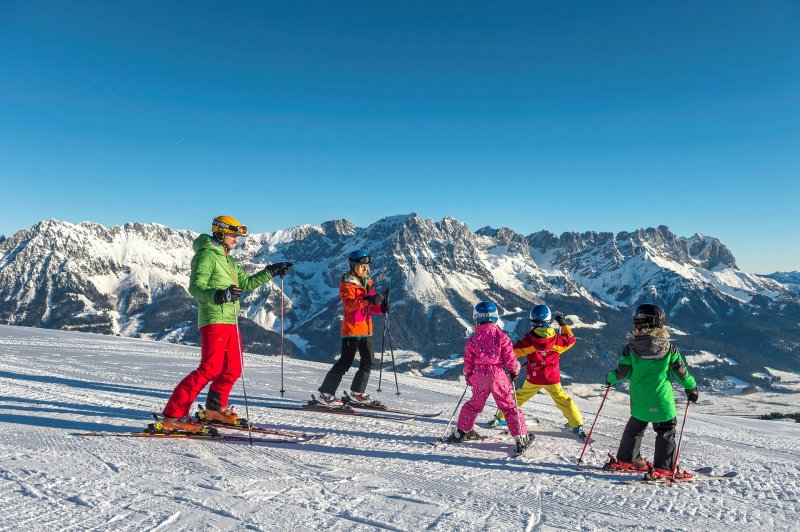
651, 363
216, 282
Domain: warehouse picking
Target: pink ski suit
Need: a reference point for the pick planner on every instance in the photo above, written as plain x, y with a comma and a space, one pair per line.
487, 354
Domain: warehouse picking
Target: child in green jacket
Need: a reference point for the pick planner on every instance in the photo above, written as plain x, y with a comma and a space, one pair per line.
651, 362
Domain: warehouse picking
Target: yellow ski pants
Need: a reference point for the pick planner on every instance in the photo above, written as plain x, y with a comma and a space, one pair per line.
562, 400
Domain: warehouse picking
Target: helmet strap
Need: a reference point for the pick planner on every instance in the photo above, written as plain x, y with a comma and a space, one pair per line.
219, 237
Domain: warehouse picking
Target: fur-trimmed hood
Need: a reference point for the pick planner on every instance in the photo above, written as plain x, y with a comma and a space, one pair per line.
650, 344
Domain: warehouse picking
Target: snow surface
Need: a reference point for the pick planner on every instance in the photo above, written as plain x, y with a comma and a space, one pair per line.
707, 358
577, 323
367, 474
784, 379
784, 376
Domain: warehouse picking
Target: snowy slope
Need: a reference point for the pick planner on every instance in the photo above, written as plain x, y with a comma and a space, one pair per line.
366, 474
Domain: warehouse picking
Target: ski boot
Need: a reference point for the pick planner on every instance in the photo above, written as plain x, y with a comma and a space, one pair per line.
523, 443
580, 432
496, 422
184, 424
657, 473
363, 399
329, 400
224, 415
459, 436
640, 466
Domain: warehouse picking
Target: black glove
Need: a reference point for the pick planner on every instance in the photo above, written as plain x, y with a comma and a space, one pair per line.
385, 307
229, 295
560, 320
512, 374
377, 299
278, 269
608, 383
692, 395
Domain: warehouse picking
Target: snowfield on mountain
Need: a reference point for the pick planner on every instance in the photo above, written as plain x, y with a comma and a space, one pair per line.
366, 473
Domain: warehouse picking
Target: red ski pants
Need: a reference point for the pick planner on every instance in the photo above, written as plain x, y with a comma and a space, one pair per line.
220, 364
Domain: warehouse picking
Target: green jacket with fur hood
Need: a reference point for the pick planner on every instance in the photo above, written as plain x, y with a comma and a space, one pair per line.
213, 269
651, 363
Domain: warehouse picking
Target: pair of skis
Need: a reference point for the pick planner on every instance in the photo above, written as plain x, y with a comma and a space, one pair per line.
211, 431
699, 474
484, 438
299, 437
270, 435
212, 435
351, 407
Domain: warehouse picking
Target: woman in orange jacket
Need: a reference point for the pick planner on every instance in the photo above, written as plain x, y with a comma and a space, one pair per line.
360, 302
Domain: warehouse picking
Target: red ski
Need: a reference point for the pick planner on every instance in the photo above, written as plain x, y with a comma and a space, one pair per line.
192, 436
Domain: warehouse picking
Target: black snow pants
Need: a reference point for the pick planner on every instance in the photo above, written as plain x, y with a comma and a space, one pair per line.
632, 440
364, 346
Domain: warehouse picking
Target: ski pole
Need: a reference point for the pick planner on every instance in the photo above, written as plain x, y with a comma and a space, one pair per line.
383, 344
244, 388
383, 341
441, 438
589, 437
516, 405
678, 449
282, 294
394, 365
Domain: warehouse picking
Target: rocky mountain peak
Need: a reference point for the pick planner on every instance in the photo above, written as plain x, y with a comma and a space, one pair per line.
338, 227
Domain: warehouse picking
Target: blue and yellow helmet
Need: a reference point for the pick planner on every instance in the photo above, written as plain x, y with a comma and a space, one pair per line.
541, 316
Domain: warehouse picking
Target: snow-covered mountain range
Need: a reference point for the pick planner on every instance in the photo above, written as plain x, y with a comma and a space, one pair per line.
132, 280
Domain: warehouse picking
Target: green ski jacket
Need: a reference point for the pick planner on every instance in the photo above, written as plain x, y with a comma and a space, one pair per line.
652, 363
213, 269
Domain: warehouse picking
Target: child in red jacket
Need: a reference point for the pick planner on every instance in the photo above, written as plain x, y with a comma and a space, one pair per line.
544, 347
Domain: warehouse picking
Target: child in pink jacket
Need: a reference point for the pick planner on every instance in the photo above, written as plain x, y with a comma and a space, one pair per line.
487, 354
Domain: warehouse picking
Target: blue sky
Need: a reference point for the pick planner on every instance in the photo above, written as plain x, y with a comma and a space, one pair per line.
564, 116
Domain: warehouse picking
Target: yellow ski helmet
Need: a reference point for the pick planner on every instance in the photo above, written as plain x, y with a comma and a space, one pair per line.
227, 225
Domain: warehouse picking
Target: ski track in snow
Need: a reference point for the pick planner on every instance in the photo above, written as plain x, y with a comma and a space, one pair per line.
366, 474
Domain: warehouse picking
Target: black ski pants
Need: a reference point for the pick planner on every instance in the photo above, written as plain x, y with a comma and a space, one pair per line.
350, 345
632, 440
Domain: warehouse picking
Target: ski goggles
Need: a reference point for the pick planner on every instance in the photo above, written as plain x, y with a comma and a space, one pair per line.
362, 260
237, 230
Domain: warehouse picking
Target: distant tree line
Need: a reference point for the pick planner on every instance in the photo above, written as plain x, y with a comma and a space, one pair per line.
781, 415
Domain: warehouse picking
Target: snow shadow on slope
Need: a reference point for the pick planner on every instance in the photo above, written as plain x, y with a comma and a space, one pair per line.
501, 464
88, 385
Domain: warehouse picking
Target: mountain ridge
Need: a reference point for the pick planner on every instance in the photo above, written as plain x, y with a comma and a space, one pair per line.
132, 280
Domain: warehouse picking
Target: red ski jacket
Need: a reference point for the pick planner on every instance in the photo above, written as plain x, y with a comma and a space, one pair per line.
544, 347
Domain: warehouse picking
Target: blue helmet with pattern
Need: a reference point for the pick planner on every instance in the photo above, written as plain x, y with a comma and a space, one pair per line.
485, 312
541, 316
359, 256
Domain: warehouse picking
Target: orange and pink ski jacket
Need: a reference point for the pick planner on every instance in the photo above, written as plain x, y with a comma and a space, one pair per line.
544, 347
358, 312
